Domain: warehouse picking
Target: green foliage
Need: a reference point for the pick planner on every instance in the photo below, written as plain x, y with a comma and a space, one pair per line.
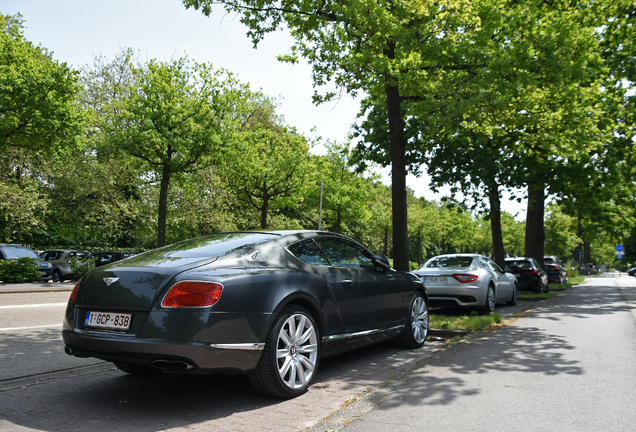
37, 94
81, 266
21, 270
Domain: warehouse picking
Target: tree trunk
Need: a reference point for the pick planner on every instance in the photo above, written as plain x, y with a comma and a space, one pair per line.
264, 210
534, 222
398, 179
587, 256
579, 234
163, 205
338, 226
495, 225
386, 241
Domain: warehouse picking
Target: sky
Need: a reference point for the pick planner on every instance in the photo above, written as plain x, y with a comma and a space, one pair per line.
78, 30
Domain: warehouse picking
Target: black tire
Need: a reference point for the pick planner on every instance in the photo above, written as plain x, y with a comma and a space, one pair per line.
547, 288
416, 330
489, 305
136, 369
287, 369
513, 299
57, 276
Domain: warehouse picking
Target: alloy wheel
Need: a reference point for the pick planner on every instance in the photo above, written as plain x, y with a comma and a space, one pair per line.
296, 351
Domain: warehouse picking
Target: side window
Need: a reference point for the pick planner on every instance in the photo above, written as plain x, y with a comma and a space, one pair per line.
494, 266
44, 256
342, 253
309, 252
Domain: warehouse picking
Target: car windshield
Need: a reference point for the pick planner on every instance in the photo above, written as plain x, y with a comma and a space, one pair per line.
450, 261
19, 252
548, 261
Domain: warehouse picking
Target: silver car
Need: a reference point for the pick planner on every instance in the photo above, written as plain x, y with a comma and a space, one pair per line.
467, 280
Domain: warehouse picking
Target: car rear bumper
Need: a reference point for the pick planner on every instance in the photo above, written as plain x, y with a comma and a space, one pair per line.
203, 358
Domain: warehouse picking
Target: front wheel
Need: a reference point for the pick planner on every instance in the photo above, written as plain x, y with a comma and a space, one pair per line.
489, 305
416, 330
57, 276
513, 299
290, 358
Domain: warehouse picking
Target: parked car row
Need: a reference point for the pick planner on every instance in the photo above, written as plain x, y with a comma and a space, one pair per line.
55, 264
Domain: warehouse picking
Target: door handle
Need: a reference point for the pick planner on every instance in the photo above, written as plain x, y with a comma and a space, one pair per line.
347, 282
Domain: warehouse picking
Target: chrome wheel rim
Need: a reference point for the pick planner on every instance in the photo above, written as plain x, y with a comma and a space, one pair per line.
419, 320
297, 351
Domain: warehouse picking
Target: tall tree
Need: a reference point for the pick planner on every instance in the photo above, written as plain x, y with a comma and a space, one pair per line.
175, 121
268, 169
37, 94
386, 49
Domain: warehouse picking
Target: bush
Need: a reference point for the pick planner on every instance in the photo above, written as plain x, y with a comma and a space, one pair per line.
80, 266
23, 270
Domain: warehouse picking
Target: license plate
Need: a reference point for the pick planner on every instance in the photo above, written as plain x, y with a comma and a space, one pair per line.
108, 320
434, 279
516, 274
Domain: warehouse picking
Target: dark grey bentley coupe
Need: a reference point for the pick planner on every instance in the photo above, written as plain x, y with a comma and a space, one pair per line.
265, 304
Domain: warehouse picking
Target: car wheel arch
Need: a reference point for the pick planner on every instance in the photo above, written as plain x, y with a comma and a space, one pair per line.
301, 299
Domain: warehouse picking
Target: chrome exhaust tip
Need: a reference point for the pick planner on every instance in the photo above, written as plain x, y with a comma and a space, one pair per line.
173, 365
68, 350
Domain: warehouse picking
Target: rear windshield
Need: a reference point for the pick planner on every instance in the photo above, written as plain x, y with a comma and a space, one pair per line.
519, 264
197, 249
450, 261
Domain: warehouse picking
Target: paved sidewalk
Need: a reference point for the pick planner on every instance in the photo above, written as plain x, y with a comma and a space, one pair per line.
6, 288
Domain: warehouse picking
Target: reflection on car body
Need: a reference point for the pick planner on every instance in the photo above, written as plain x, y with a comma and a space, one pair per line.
266, 304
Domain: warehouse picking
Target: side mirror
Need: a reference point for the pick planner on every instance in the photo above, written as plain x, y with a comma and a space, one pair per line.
381, 262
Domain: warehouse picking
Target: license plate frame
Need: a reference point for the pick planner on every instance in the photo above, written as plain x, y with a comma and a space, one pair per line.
436, 279
108, 320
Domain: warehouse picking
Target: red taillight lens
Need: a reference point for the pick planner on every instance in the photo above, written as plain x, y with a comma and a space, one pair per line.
530, 272
74, 293
193, 294
465, 278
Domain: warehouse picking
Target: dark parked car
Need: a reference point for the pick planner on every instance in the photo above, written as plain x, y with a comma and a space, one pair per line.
587, 269
555, 269
13, 252
103, 258
632, 271
266, 304
529, 273
60, 260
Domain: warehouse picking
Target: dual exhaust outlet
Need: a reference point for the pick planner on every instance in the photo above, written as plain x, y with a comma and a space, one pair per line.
163, 364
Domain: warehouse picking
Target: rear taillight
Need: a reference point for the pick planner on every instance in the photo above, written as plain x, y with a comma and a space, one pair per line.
74, 293
193, 294
530, 272
465, 278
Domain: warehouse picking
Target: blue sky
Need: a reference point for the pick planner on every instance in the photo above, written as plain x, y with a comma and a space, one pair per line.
78, 30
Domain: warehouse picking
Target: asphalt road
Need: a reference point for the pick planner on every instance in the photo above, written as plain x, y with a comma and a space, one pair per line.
564, 366
568, 366
31, 335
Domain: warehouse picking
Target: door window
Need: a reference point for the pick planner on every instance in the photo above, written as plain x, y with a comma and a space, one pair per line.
342, 253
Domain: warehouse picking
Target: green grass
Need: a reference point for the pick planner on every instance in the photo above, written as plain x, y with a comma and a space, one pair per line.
464, 322
536, 295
